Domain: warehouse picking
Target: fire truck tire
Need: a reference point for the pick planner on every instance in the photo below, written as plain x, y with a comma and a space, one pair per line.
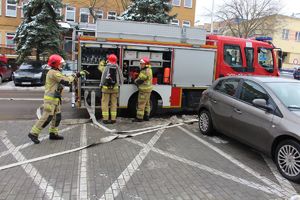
205, 123
132, 105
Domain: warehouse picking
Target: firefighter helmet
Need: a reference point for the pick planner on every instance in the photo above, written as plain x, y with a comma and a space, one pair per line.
112, 58
145, 60
55, 60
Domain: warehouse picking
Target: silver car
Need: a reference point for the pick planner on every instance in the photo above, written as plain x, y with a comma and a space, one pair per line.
263, 112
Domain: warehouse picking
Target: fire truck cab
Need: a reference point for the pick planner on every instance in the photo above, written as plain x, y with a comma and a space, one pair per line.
185, 61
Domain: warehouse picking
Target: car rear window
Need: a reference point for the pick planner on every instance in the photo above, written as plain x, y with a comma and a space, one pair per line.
227, 86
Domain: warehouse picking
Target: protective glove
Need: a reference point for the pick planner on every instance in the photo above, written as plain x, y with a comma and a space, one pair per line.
138, 81
82, 73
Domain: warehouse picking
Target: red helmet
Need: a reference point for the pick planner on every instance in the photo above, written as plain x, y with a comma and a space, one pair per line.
55, 60
145, 60
112, 58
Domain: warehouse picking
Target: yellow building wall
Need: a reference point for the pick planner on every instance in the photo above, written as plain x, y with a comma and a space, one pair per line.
291, 46
187, 14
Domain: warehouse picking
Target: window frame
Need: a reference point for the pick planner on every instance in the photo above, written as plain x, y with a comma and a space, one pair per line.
7, 34
84, 11
183, 21
71, 11
233, 46
184, 4
285, 34
109, 15
251, 67
13, 5
175, 24
176, 4
297, 36
273, 59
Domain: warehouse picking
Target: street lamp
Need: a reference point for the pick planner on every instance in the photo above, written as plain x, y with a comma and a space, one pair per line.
212, 17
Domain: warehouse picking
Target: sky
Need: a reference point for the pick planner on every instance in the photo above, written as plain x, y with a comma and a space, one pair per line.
203, 7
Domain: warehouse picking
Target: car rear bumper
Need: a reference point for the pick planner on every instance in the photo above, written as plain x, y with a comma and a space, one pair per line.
28, 81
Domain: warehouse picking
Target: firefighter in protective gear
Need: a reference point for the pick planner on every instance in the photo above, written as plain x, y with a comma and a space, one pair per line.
144, 83
111, 79
52, 99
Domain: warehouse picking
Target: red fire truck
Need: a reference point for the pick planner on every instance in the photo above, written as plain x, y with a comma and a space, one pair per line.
185, 61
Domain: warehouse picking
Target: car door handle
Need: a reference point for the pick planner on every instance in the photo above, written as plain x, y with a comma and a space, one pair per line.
213, 100
238, 111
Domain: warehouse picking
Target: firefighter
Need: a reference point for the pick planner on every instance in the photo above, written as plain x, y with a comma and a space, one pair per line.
52, 99
111, 79
144, 83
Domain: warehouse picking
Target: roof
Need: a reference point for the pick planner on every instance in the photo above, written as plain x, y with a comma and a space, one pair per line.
237, 39
267, 79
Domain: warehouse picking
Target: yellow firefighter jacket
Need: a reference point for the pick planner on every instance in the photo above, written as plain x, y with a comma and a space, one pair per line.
54, 86
146, 75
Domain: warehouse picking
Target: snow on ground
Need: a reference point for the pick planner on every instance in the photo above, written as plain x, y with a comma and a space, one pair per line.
11, 86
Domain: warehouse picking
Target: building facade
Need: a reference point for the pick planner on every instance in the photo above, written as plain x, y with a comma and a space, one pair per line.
77, 14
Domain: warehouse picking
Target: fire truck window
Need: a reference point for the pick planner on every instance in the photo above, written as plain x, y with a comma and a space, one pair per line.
232, 56
228, 86
249, 57
265, 59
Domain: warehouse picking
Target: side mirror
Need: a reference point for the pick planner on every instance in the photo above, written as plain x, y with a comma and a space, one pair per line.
262, 103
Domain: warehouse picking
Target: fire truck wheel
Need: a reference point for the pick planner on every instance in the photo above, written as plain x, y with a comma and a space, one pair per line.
132, 105
205, 123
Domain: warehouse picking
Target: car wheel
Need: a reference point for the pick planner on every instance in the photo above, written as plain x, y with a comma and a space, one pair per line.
287, 158
205, 123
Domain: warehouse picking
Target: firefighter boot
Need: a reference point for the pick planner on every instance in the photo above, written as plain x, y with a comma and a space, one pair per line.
34, 138
53, 136
146, 117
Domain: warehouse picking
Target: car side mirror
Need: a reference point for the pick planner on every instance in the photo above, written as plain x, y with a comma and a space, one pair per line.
262, 103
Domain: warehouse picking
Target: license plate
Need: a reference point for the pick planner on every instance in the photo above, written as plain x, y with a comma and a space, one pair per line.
26, 83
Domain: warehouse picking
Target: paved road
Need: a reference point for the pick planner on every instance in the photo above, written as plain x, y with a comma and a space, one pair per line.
175, 163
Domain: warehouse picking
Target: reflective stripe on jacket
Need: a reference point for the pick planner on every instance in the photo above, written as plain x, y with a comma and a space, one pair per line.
146, 75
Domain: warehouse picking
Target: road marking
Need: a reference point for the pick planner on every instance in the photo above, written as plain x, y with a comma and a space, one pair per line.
217, 140
216, 172
30, 169
114, 190
285, 184
82, 184
23, 146
21, 99
238, 163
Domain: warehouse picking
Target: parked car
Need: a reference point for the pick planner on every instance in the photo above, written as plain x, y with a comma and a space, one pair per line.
5, 69
263, 112
296, 73
29, 73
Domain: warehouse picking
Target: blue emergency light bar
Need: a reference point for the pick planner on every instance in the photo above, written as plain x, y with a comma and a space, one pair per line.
264, 38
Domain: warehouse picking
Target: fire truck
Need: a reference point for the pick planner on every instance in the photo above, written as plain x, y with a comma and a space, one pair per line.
185, 61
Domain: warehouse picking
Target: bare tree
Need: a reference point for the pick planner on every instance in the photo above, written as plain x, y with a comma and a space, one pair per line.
246, 18
95, 5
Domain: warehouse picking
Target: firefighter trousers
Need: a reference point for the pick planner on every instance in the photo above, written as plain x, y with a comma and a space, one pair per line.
51, 115
143, 104
109, 102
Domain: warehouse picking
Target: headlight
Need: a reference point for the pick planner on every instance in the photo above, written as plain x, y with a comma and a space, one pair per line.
39, 75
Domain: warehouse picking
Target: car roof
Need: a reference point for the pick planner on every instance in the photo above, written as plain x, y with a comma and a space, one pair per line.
266, 79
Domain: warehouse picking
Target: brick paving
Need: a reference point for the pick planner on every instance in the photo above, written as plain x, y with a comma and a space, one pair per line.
161, 165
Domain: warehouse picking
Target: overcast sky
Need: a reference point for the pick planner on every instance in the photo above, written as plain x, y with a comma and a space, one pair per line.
203, 7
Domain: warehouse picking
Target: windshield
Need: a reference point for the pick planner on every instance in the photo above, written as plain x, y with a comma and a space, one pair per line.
26, 66
288, 93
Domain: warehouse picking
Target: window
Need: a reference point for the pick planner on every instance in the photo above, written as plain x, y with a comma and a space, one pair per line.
228, 86
58, 11
176, 2
111, 15
99, 14
249, 52
10, 40
232, 56
70, 14
84, 15
175, 22
251, 91
11, 8
265, 59
188, 3
285, 34
297, 36
186, 23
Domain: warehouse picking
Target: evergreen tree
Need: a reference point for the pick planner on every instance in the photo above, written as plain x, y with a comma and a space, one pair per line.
153, 11
39, 30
